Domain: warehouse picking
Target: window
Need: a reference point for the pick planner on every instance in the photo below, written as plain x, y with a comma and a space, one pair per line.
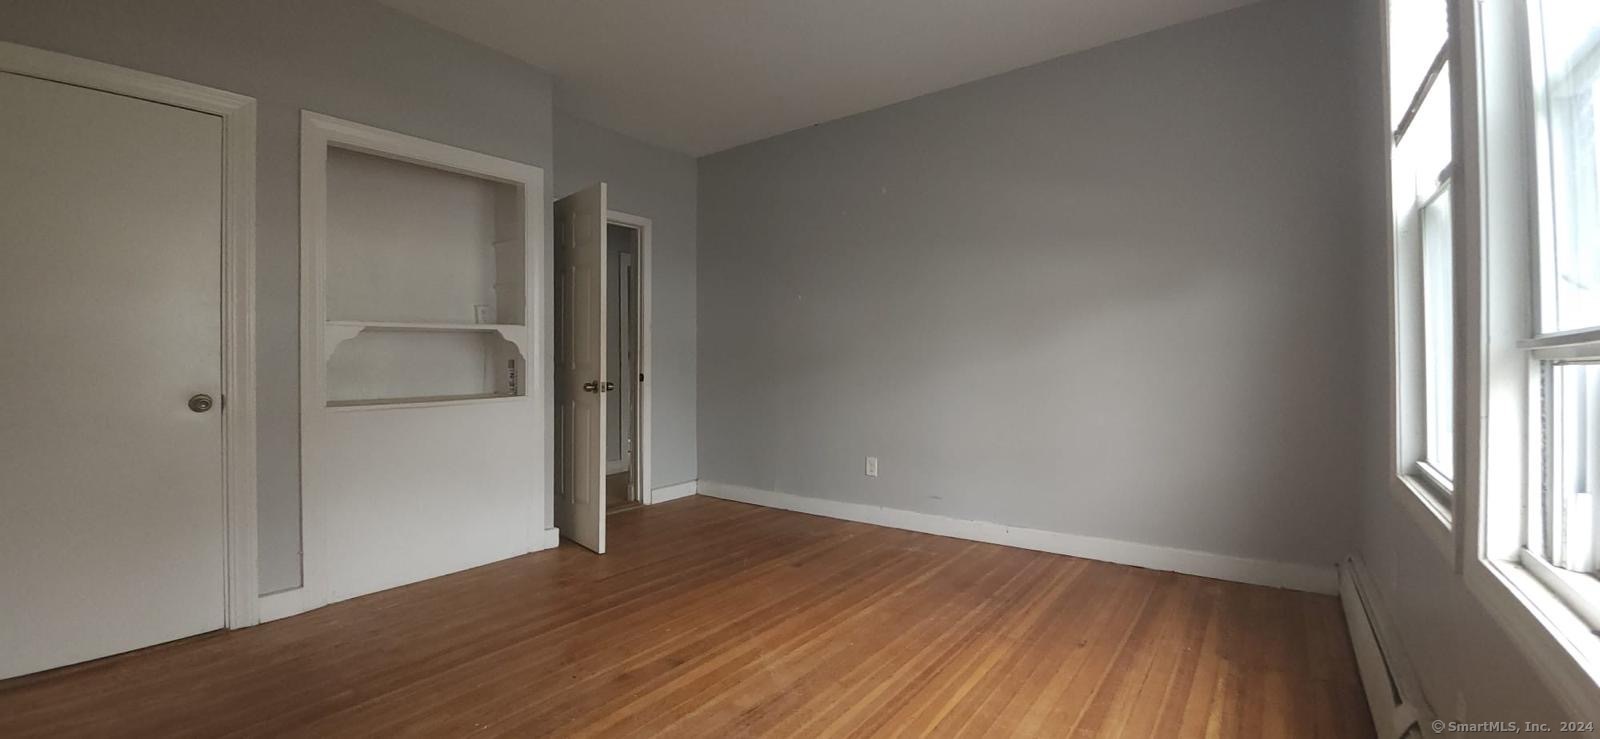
1564, 348
1526, 213
1422, 160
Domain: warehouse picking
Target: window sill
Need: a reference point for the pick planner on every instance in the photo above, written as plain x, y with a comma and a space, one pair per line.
1556, 641
1430, 509
1579, 593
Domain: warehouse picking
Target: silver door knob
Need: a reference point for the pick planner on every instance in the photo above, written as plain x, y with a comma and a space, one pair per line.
200, 403
609, 387
591, 387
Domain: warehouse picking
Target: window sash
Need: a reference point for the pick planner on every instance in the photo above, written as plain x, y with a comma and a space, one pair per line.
1438, 331
1421, 186
1568, 509
1568, 167
1561, 524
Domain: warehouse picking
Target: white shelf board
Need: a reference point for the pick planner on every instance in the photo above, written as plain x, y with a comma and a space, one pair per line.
425, 402
427, 326
335, 333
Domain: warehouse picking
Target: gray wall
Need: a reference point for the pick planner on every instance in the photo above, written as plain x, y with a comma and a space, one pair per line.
660, 185
1468, 667
348, 58
1108, 295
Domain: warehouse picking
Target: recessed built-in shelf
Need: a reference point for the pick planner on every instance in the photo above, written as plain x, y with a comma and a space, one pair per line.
425, 289
422, 316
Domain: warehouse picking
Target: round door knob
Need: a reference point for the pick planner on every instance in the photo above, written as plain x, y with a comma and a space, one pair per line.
609, 387
200, 403
591, 387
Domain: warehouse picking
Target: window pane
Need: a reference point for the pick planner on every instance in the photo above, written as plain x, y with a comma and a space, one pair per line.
1571, 51
1417, 31
1573, 456
1427, 147
1438, 335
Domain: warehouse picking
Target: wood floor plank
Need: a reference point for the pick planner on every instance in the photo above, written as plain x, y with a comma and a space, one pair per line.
713, 618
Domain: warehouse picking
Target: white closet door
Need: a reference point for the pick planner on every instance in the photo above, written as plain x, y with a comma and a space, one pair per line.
111, 510
580, 367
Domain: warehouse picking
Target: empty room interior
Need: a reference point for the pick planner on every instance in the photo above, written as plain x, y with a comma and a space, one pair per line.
1105, 368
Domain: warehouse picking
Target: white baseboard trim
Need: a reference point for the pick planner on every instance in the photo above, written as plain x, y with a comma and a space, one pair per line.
1304, 577
547, 539
674, 492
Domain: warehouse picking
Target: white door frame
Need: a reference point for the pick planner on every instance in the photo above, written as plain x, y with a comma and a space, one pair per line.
238, 114
645, 356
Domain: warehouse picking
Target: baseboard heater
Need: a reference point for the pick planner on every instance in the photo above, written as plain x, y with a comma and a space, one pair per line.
1398, 710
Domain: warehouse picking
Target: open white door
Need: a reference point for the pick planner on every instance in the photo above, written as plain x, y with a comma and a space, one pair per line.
580, 367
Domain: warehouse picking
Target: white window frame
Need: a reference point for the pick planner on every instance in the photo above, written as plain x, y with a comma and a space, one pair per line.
1420, 489
1546, 350
1500, 223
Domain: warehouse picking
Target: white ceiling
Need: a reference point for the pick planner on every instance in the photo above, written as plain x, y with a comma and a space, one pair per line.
700, 77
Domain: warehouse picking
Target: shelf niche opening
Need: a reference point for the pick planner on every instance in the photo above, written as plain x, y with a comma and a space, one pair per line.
388, 367
412, 243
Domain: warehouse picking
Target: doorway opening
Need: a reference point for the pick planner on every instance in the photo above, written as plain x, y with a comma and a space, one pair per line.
623, 488
602, 364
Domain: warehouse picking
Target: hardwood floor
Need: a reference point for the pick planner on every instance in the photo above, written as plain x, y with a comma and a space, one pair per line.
711, 618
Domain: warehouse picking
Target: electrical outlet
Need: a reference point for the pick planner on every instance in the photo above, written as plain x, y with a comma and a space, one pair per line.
872, 466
